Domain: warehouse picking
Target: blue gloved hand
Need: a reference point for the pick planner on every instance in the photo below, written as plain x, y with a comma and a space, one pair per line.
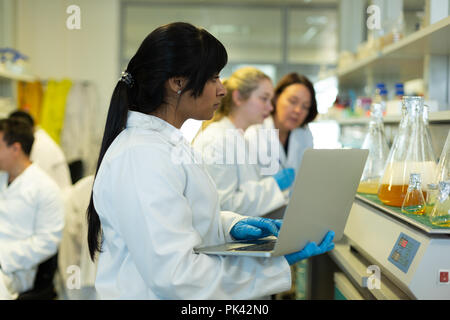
252, 228
285, 178
311, 249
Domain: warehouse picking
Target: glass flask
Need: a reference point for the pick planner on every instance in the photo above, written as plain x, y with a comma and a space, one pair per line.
411, 152
375, 142
414, 202
440, 215
432, 194
443, 169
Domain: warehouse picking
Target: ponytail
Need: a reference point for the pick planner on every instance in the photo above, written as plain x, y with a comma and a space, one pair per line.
176, 49
115, 123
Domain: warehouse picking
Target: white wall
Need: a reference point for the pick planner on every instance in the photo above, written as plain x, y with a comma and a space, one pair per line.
91, 53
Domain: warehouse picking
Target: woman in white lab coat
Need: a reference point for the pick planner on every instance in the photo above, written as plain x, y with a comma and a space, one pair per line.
295, 106
241, 186
152, 203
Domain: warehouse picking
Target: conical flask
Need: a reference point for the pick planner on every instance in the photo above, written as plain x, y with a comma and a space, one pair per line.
375, 142
414, 202
443, 169
411, 152
440, 215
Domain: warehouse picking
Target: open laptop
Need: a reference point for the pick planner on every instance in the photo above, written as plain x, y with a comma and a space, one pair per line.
322, 196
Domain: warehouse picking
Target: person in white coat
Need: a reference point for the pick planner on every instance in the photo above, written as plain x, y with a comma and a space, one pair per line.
76, 271
152, 204
295, 106
31, 211
46, 153
228, 157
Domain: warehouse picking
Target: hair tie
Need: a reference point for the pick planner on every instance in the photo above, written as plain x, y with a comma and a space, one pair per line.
127, 78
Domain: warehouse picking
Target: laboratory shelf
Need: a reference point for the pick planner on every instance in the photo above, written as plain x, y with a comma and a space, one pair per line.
434, 117
420, 222
403, 60
18, 77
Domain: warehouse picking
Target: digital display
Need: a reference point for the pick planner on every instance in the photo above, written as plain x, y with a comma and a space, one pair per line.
403, 242
396, 256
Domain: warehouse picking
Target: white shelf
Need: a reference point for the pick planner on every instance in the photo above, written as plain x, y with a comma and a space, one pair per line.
434, 117
403, 60
17, 77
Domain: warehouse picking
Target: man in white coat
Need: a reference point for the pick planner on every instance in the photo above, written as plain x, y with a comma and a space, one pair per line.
47, 154
31, 211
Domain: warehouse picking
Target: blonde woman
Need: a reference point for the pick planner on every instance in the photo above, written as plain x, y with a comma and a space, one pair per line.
229, 159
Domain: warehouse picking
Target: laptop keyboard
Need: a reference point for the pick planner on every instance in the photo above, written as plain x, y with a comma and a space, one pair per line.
267, 246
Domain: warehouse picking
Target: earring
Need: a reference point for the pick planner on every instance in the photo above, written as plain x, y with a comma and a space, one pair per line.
179, 92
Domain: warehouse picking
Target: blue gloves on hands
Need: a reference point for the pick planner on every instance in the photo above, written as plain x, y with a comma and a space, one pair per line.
253, 228
311, 249
285, 178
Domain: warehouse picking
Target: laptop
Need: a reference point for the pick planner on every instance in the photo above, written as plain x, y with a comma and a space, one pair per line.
322, 196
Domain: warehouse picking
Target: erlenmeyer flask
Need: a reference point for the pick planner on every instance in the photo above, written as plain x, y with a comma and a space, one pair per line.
411, 152
414, 202
443, 169
440, 215
376, 143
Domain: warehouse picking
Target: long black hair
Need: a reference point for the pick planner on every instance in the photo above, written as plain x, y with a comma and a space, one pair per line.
174, 50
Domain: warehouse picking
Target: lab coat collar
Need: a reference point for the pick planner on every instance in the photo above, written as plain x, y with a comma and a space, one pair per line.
149, 122
4, 178
270, 124
226, 123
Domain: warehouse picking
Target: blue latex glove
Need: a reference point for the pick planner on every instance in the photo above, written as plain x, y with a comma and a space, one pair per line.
252, 228
311, 249
285, 178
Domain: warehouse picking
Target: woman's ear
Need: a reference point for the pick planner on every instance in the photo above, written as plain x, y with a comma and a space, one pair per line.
237, 98
177, 84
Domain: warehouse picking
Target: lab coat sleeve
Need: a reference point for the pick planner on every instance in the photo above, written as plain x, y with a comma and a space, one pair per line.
229, 219
61, 175
156, 222
43, 243
252, 198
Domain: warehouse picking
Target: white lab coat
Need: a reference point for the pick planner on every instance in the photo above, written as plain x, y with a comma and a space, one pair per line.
227, 158
76, 270
31, 223
82, 131
155, 206
50, 158
300, 139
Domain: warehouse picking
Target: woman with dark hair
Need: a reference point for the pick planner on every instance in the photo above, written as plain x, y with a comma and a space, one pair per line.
295, 106
152, 203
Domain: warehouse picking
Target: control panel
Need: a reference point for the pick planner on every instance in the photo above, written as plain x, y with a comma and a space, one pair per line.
404, 251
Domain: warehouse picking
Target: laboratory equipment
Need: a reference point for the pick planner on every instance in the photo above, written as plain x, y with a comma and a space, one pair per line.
411, 152
376, 143
414, 202
440, 215
388, 255
443, 169
432, 194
